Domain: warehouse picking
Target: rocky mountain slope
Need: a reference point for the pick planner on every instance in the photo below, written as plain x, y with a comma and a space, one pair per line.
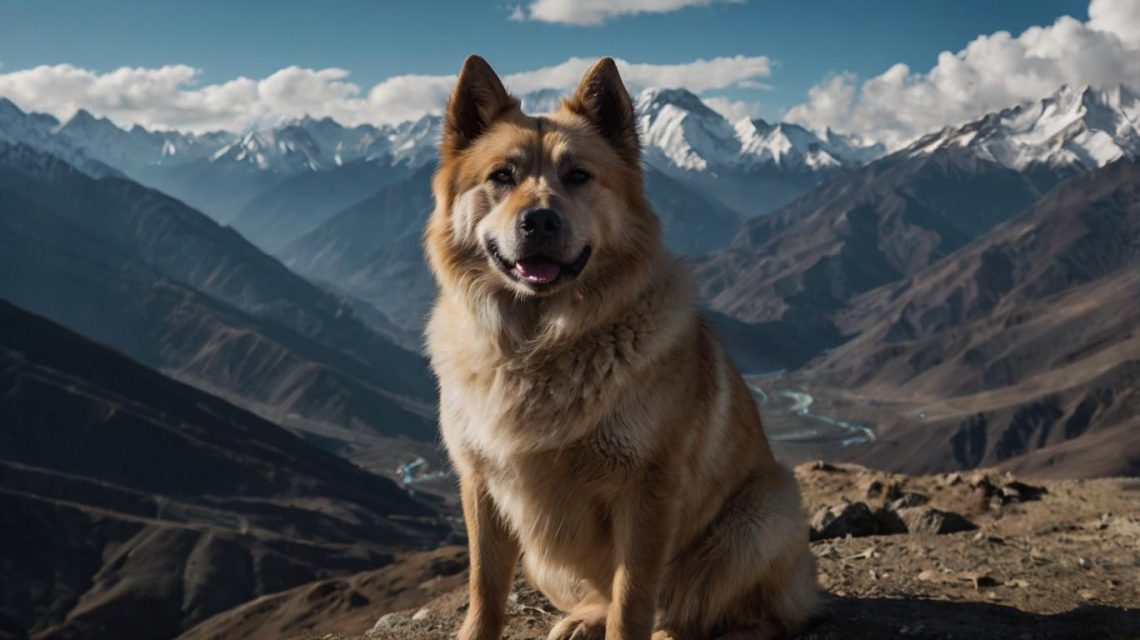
861, 231
1024, 340
1048, 560
960, 339
885, 221
144, 273
135, 506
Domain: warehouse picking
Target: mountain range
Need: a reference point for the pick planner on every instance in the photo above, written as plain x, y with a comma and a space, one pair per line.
274, 185
135, 506
981, 285
791, 231
1025, 341
140, 271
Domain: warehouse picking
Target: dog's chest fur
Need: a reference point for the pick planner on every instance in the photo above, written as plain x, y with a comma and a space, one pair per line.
558, 435
559, 502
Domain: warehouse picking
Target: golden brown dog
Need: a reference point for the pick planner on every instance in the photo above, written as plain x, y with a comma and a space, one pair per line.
599, 430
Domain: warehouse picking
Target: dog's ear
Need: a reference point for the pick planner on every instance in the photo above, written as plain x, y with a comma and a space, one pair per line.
602, 99
477, 101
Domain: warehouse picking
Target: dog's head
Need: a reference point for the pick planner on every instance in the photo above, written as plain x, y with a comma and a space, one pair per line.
539, 206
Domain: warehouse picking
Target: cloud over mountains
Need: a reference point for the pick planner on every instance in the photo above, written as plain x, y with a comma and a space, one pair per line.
991, 72
167, 97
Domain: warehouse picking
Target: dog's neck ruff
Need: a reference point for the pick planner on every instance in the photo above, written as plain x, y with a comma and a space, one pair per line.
524, 326
556, 387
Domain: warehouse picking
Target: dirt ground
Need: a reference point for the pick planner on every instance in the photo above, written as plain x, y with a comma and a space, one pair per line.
1064, 563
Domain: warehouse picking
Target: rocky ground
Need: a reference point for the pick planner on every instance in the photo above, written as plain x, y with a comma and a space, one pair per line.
983, 556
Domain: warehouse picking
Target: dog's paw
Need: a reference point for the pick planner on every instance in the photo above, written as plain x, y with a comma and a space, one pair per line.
588, 624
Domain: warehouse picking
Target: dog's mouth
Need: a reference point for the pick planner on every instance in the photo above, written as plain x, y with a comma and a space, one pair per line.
539, 272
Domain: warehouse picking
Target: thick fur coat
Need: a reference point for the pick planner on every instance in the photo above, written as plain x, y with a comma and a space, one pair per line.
599, 430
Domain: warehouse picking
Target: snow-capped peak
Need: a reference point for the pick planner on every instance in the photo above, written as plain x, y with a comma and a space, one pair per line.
784, 144
682, 133
1076, 126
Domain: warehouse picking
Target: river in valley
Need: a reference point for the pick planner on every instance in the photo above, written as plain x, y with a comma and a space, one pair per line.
790, 420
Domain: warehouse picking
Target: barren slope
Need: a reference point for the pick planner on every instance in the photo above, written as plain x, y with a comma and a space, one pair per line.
1062, 564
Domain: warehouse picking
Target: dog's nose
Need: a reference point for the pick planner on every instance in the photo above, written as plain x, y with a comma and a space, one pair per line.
540, 224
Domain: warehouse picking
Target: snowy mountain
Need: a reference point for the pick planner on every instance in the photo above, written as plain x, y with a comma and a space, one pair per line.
752, 166
896, 216
128, 149
38, 131
319, 145
682, 133
1075, 128
222, 172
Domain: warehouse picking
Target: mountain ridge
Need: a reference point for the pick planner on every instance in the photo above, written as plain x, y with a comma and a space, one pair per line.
136, 505
139, 270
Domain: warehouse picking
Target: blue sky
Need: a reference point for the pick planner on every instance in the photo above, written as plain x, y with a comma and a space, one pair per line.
375, 40
868, 66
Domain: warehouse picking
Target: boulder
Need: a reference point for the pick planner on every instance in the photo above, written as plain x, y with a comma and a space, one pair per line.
889, 522
909, 499
851, 519
929, 520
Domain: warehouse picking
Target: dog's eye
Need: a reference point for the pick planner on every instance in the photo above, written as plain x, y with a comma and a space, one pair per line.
577, 177
503, 177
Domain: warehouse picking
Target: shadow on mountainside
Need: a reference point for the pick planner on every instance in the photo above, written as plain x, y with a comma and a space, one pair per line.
852, 617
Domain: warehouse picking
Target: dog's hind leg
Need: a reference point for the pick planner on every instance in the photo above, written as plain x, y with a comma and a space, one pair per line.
751, 573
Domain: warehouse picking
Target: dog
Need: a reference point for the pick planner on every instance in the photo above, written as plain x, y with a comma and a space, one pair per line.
599, 430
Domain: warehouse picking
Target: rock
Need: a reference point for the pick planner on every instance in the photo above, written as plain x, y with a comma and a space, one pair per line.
935, 576
952, 479
852, 519
384, 624
928, 520
422, 614
1016, 491
874, 489
980, 579
820, 465
982, 482
879, 489
909, 499
889, 522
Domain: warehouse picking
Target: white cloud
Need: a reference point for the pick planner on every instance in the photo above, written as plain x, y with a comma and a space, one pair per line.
992, 72
169, 97
697, 76
596, 12
734, 110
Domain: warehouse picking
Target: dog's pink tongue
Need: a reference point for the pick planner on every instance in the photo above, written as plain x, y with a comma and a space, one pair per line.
537, 270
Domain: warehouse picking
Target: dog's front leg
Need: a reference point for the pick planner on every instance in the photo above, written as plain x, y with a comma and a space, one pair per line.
494, 553
643, 530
